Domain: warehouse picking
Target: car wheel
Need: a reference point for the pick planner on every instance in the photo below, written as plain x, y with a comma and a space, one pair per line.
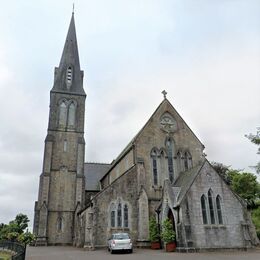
131, 251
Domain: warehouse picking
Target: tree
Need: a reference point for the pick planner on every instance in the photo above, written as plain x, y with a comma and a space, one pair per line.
223, 171
245, 184
14, 229
255, 139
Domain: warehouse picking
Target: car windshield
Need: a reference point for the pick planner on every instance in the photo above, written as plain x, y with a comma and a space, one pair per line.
121, 236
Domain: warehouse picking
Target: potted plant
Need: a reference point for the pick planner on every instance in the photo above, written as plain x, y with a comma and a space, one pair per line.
154, 234
168, 235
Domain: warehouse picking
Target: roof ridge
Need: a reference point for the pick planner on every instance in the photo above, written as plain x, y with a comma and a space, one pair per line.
97, 163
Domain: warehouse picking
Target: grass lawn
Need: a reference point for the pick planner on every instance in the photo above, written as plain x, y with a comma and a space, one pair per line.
5, 256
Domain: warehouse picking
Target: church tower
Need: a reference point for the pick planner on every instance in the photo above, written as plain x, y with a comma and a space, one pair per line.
62, 186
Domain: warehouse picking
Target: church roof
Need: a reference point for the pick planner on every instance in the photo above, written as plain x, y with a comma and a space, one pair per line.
132, 142
93, 173
185, 180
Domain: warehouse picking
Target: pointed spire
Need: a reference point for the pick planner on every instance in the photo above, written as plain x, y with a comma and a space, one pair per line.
70, 51
68, 76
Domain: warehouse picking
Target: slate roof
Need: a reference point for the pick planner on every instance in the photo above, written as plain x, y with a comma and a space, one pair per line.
185, 181
93, 173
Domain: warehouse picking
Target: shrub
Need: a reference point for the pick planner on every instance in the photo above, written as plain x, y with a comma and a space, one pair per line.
168, 234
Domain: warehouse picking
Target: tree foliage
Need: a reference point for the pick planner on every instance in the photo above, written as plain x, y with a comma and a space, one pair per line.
15, 230
245, 184
255, 139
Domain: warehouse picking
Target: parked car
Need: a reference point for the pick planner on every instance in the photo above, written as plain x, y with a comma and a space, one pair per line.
120, 241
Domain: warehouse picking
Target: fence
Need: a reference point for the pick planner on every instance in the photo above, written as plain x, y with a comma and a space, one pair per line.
18, 249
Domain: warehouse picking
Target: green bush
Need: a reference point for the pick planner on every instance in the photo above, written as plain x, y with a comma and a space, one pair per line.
256, 220
168, 234
154, 234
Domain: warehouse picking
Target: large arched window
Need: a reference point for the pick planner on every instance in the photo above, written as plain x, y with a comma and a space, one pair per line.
72, 114
125, 216
218, 203
154, 166
169, 147
62, 114
119, 215
204, 209
211, 207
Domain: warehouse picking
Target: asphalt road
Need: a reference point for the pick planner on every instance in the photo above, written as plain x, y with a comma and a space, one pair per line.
72, 253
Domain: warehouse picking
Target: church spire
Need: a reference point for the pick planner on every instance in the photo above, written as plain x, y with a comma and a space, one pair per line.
68, 76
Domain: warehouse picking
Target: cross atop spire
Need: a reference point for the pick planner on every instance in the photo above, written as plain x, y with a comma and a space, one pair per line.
164, 94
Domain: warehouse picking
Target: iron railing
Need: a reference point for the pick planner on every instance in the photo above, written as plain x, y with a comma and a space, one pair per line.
18, 249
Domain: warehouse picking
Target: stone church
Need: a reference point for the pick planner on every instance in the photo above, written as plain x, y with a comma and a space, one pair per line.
162, 172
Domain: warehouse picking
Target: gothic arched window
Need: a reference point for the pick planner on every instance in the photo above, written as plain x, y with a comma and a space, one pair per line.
211, 207
154, 165
204, 209
169, 147
72, 113
63, 114
113, 215
119, 215
125, 216
186, 161
218, 203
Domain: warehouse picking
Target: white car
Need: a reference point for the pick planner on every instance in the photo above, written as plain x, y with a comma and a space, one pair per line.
120, 241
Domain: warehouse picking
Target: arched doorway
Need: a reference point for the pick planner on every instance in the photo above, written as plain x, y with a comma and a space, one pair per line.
171, 218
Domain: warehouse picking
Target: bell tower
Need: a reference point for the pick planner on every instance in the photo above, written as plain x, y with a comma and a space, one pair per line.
62, 186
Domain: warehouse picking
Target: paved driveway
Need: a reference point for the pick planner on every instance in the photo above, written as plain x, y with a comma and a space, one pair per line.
72, 253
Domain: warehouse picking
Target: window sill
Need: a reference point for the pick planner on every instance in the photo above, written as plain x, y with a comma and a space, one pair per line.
215, 226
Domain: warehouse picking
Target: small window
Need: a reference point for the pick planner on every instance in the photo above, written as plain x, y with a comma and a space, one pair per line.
125, 216
186, 163
63, 114
169, 146
69, 76
204, 209
218, 202
59, 224
119, 215
211, 207
113, 218
65, 146
72, 113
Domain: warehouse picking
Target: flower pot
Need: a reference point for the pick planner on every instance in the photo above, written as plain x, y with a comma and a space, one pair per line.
170, 247
155, 245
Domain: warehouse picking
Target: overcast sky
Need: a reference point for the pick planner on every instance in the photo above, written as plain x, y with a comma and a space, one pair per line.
204, 53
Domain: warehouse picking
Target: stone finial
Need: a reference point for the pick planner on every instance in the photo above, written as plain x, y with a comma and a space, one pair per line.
164, 94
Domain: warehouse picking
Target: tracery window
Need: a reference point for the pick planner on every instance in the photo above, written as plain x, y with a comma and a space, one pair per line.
169, 147
119, 215
211, 207
218, 203
204, 209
